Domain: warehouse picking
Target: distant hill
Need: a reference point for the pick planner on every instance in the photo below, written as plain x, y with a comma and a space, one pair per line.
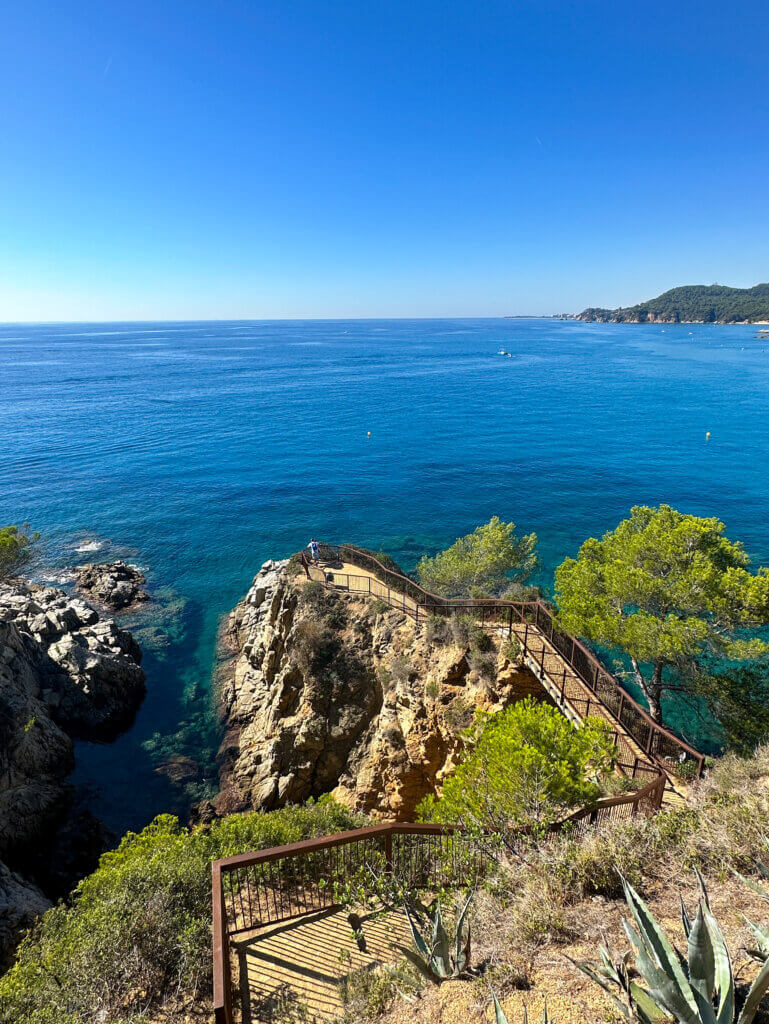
693, 303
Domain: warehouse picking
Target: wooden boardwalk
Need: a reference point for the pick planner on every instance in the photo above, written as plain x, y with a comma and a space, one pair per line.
300, 964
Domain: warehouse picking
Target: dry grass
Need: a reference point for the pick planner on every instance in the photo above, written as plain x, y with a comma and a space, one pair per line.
561, 900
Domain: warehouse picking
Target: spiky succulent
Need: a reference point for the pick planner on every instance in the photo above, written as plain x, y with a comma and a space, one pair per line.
760, 931
500, 1018
438, 956
693, 988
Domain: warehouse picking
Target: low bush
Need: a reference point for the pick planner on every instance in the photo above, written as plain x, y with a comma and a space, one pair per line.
437, 630
136, 934
483, 665
526, 768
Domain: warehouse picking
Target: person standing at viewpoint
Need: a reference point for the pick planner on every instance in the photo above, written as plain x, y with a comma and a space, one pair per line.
314, 550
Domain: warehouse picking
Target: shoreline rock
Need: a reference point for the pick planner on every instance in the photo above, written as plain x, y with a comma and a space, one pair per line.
116, 585
65, 673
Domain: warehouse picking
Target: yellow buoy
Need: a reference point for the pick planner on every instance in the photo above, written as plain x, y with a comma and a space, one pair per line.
707, 436
368, 433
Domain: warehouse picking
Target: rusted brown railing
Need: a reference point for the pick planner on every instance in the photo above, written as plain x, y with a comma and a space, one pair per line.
255, 889
659, 745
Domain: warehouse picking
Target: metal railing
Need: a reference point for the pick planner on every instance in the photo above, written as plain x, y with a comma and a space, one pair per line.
655, 743
255, 889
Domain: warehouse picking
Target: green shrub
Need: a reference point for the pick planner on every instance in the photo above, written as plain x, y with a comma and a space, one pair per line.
461, 629
138, 930
511, 648
400, 668
480, 640
16, 546
380, 607
437, 630
484, 665
526, 769
366, 994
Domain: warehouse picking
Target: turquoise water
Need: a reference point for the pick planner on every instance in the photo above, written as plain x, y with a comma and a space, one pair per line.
200, 449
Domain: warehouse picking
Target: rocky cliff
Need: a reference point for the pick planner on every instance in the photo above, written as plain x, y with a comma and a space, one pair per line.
64, 673
330, 693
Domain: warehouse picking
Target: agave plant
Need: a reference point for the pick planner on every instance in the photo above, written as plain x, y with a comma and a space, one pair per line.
438, 956
695, 988
500, 1018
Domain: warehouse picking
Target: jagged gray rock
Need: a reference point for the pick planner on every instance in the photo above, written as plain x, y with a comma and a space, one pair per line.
115, 584
64, 672
20, 903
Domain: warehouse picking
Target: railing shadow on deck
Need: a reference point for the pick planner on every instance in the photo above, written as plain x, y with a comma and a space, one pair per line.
287, 883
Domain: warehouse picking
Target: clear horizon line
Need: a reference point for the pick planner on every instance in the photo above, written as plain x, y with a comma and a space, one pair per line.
272, 319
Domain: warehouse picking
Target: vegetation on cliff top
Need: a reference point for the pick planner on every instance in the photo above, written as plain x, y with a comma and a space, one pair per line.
16, 546
692, 303
133, 942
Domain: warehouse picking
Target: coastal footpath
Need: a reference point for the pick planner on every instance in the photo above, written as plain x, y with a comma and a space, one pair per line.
328, 693
66, 672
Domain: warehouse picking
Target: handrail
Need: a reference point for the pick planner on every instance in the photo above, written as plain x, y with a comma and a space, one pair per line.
282, 883
658, 742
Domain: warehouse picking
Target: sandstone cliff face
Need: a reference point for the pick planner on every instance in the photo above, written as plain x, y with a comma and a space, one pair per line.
329, 693
64, 672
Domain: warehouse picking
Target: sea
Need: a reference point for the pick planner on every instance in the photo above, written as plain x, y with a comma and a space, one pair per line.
199, 450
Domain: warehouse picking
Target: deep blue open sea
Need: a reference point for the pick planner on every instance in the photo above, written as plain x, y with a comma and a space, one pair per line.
198, 450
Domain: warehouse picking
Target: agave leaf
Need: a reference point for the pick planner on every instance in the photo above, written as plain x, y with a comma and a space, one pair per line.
661, 956
702, 964
499, 1013
581, 965
417, 935
665, 989
758, 990
647, 1011
441, 954
724, 987
752, 884
685, 918
761, 935
417, 961
463, 949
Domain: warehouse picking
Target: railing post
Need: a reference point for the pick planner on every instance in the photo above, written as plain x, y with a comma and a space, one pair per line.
563, 685
388, 852
621, 705
221, 952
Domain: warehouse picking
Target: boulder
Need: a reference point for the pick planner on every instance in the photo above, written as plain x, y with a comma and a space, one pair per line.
114, 584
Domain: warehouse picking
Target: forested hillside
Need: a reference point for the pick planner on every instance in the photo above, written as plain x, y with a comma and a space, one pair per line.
694, 303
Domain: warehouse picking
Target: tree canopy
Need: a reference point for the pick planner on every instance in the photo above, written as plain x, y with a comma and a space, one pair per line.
672, 591
15, 549
526, 767
489, 559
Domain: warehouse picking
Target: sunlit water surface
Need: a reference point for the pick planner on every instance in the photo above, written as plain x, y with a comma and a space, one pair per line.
198, 450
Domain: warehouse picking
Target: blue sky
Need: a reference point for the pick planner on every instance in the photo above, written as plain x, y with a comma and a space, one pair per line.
367, 158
